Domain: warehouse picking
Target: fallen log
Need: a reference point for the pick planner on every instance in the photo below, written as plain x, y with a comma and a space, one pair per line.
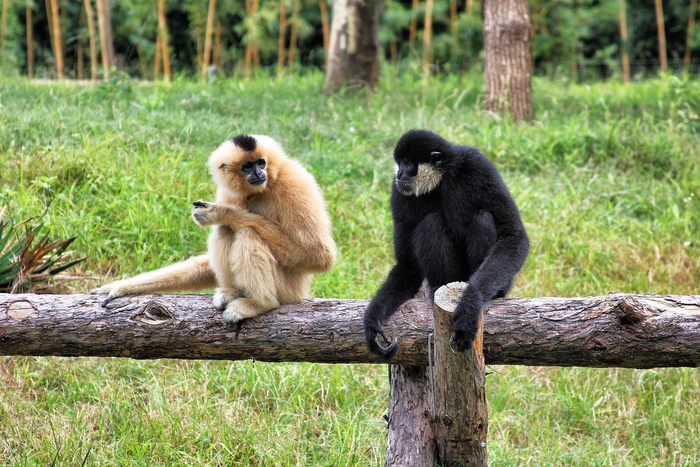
615, 330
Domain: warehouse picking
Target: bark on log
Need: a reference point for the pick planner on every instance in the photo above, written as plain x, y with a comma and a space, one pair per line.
461, 415
615, 330
410, 437
410, 431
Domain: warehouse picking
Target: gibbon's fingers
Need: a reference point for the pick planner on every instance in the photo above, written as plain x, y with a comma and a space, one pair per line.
386, 352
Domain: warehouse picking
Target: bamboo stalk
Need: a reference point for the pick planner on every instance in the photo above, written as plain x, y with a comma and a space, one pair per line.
90, 14
325, 24
427, 38
413, 26
58, 40
208, 34
30, 41
661, 31
281, 41
163, 40
689, 35
3, 24
623, 38
104, 37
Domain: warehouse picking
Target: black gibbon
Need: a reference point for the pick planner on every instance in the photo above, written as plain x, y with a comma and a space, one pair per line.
269, 232
454, 220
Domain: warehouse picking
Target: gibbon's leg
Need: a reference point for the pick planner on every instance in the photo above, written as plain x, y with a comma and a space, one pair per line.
436, 252
257, 274
220, 242
193, 273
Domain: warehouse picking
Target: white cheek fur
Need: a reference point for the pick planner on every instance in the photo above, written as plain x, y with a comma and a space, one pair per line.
426, 180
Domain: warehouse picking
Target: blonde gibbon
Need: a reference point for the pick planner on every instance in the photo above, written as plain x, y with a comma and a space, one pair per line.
270, 232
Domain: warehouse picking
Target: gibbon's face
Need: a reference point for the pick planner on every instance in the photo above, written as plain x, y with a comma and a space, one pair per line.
419, 157
242, 165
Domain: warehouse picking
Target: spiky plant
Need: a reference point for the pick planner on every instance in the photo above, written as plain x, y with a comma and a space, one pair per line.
27, 259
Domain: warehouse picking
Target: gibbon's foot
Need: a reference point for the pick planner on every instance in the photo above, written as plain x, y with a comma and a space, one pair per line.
240, 309
223, 297
386, 352
111, 291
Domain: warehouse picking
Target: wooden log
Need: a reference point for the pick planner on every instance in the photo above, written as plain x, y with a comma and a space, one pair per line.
615, 330
461, 418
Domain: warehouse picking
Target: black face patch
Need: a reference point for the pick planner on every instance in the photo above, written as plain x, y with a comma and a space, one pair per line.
245, 142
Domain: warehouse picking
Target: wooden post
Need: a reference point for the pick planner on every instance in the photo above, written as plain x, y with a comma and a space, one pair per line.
411, 437
461, 416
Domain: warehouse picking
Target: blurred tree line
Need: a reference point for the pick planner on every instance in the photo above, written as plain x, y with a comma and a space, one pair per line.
580, 39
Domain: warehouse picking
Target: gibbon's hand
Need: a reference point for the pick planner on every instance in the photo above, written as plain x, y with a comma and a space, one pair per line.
465, 320
205, 213
373, 330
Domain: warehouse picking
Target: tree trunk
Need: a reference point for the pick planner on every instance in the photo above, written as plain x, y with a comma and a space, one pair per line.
615, 330
661, 31
163, 40
353, 55
461, 416
507, 58
90, 14
689, 35
624, 42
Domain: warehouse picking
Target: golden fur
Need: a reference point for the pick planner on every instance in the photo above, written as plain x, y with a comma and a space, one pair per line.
266, 240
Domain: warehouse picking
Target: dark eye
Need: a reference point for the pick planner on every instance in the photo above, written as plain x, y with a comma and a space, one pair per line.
261, 163
223, 166
435, 155
247, 166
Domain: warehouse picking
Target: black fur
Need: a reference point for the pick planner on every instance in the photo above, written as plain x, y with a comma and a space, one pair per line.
245, 142
467, 229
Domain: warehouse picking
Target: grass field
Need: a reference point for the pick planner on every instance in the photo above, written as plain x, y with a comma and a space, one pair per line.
607, 179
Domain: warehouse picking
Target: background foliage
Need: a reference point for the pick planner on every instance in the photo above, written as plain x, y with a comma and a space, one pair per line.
575, 38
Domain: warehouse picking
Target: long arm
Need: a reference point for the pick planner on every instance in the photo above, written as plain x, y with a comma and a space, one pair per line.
402, 284
312, 249
494, 277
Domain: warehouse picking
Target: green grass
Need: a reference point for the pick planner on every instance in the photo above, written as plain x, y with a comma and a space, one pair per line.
607, 179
